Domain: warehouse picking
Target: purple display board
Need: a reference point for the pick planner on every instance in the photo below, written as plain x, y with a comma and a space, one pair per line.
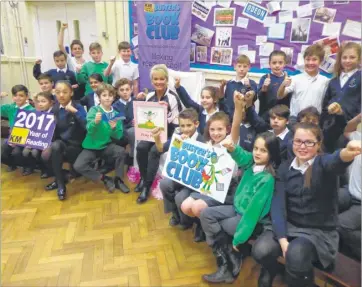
164, 36
32, 129
247, 36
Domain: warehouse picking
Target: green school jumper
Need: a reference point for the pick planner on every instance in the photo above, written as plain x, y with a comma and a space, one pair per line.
90, 68
99, 135
9, 111
253, 196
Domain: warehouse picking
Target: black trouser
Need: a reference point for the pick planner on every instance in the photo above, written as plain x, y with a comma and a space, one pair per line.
62, 152
148, 159
301, 254
11, 155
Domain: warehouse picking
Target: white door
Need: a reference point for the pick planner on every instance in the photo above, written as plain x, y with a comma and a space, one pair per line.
81, 19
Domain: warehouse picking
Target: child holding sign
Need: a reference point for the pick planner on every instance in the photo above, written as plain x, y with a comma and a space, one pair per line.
251, 202
103, 124
10, 153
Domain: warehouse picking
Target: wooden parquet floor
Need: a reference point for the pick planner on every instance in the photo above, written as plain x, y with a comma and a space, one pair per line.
96, 239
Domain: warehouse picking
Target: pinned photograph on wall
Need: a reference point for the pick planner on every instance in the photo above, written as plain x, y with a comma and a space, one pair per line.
136, 53
276, 31
202, 35
324, 15
223, 37
200, 10
328, 65
300, 30
289, 52
352, 29
221, 56
192, 52
201, 54
250, 54
147, 116
224, 17
330, 45
135, 28
255, 12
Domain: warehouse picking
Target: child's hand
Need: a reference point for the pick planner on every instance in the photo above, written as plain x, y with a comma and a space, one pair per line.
141, 96
4, 94
71, 109
267, 81
222, 87
156, 133
284, 245
239, 99
335, 109
184, 137
112, 60
354, 148
64, 26
247, 81
249, 96
287, 80
38, 61
228, 144
177, 82
98, 117
112, 124
132, 123
75, 86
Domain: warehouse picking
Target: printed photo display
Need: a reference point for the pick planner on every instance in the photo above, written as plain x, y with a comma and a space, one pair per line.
223, 37
202, 35
300, 30
221, 56
201, 54
192, 53
224, 17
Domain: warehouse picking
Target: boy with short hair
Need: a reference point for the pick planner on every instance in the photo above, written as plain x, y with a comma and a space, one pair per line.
270, 83
173, 192
46, 83
96, 65
307, 88
123, 67
240, 83
61, 73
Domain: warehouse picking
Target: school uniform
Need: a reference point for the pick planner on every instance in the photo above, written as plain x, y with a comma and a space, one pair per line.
122, 69
247, 136
175, 193
90, 100
203, 115
269, 99
11, 155
98, 144
56, 74
306, 216
237, 85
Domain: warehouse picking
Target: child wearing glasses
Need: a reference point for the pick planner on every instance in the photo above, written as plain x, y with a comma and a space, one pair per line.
304, 210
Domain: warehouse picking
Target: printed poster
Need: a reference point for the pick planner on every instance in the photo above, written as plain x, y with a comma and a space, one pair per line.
223, 37
147, 116
224, 17
198, 166
32, 129
200, 10
255, 12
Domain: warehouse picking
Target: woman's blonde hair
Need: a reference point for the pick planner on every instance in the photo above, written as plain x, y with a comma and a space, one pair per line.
344, 47
162, 68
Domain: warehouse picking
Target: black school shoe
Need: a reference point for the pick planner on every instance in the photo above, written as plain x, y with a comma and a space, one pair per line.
139, 185
27, 171
174, 219
51, 186
119, 184
62, 193
11, 168
109, 183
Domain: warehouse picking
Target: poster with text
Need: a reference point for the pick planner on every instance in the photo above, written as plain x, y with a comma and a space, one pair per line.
164, 29
147, 116
32, 129
199, 166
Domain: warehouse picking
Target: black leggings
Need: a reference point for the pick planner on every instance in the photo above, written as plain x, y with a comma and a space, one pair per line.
300, 256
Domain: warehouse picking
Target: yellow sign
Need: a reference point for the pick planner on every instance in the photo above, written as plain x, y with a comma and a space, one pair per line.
18, 136
149, 7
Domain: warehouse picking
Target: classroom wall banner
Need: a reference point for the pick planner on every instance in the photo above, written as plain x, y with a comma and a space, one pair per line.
147, 116
32, 129
199, 166
164, 29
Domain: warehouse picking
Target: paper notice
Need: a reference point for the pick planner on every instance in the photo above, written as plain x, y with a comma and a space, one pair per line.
270, 21
241, 3
290, 5
265, 49
135, 41
352, 29
260, 40
304, 47
264, 63
224, 3
242, 48
251, 55
276, 31
285, 16
273, 7
242, 22
317, 4
304, 10
200, 10
332, 29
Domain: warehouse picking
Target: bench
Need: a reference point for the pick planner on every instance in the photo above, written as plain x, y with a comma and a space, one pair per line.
346, 272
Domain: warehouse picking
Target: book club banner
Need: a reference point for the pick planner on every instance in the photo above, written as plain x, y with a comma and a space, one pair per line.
222, 30
164, 29
148, 116
201, 167
32, 129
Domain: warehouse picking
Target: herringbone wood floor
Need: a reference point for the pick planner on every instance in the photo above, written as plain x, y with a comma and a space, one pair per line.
96, 239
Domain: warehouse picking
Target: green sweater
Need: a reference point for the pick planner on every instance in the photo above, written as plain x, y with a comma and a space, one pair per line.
90, 68
253, 196
99, 135
9, 111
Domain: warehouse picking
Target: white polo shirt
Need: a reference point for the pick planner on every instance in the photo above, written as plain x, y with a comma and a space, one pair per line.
120, 69
307, 91
354, 170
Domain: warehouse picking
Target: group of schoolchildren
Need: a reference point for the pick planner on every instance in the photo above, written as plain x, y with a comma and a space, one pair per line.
301, 198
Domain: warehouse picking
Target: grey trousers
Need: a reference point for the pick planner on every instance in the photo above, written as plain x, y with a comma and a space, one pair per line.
131, 140
174, 194
112, 154
217, 218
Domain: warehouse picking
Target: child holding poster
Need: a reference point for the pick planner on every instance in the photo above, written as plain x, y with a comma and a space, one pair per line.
11, 154
103, 124
250, 205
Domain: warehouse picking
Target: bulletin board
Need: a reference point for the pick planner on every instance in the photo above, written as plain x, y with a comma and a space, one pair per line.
322, 22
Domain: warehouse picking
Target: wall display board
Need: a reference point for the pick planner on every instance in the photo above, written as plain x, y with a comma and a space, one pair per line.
222, 30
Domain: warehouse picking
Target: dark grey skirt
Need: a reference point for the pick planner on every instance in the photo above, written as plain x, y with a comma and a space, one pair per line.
325, 242
209, 201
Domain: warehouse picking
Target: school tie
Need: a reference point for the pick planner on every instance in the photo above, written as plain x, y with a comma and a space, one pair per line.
62, 113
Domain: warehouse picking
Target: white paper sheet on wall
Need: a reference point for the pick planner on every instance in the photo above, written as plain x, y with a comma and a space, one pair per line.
352, 29
331, 29
290, 5
304, 10
270, 20
285, 16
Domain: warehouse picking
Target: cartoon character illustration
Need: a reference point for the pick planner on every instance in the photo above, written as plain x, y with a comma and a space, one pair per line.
208, 178
149, 124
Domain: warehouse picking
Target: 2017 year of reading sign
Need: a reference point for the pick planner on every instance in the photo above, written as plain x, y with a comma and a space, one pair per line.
32, 129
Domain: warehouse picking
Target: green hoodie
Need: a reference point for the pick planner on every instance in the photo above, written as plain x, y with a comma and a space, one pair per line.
90, 68
253, 196
99, 135
9, 111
